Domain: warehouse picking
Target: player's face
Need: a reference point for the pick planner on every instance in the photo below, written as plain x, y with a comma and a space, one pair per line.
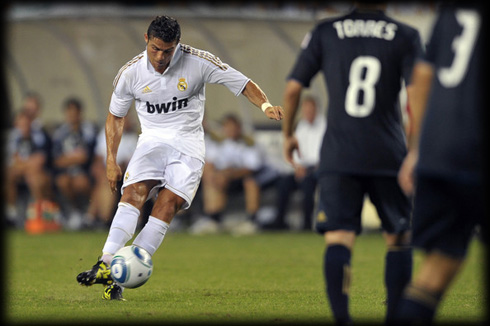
231, 129
159, 52
23, 123
72, 115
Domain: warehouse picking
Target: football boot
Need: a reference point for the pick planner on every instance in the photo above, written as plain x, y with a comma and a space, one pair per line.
99, 274
113, 292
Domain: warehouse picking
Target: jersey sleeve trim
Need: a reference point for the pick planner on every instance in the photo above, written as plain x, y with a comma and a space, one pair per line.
126, 66
243, 87
117, 114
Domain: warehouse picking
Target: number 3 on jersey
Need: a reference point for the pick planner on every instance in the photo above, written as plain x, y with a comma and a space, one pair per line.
462, 46
360, 97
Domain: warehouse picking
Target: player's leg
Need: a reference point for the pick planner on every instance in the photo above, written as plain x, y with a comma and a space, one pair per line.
251, 190
125, 220
308, 189
214, 193
142, 180
285, 186
398, 269
339, 215
445, 214
337, 272
13, 177
181, 180
63, 183
394, 210
82, 187
421, 298
164, 210
65, 195
121, 231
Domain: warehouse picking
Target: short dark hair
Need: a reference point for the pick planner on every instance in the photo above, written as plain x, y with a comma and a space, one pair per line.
231, 117
73, 101
164, 28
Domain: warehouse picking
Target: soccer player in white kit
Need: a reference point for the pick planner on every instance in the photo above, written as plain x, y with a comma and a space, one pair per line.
167, 82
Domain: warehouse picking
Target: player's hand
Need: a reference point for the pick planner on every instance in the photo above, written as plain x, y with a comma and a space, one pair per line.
406, 177
114, 174
274, 112
290, 145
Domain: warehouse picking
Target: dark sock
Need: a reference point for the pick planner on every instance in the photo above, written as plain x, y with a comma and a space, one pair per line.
417, 306
337, 278
398, 273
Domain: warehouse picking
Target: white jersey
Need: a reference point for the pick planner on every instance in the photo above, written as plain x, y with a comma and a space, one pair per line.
234, 154
310, 137
170, 106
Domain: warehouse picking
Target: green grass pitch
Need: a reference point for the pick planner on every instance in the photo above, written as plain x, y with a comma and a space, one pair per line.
273, 278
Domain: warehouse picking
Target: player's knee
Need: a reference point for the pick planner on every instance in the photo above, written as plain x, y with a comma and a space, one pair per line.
437, 271
340, 237
135, 194
82, 183
396, 240
62, 181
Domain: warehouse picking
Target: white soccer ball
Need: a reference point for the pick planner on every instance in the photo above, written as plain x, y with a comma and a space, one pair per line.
131, 267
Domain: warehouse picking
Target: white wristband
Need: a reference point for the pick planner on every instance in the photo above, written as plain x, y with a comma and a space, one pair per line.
265, 106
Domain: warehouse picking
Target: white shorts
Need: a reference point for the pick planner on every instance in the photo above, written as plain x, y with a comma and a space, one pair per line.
176, 171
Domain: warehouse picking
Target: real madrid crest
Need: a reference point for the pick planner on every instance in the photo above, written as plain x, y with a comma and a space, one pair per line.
182, 85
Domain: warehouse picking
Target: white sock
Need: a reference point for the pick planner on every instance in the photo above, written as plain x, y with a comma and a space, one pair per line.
121, 231
152, 234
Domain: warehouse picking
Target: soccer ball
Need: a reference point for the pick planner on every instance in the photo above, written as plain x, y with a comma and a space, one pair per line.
131, 267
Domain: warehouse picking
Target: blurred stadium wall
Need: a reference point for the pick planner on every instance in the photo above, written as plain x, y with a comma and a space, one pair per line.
61, 50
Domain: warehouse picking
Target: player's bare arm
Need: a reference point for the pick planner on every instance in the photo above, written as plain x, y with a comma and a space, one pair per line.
418, 94
292, 96
257, 97
113, 132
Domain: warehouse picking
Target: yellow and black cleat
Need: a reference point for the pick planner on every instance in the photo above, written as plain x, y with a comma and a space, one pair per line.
113, 292
99, 274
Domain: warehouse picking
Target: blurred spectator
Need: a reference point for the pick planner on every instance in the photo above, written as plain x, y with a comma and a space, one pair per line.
309, 133
32, 106
73, 148
231, 165
27, 167
103, 202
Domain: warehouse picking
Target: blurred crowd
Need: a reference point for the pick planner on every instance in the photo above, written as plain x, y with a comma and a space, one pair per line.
56, 173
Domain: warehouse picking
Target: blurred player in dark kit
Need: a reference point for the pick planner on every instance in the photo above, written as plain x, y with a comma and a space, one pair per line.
364, 56
443, 167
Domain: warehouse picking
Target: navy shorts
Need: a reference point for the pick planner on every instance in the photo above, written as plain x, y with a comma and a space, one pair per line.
342, 198
445, 215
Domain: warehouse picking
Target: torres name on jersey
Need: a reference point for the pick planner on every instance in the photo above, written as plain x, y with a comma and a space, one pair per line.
365, 28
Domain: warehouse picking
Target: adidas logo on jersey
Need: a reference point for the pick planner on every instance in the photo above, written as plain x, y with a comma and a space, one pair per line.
176, 104
147, 90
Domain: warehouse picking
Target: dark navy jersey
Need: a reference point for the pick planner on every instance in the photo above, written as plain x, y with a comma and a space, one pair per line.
364, 56
66, 140
37, 142
450, 143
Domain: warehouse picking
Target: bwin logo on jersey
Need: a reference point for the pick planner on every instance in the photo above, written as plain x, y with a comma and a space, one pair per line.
182, 85
166, 107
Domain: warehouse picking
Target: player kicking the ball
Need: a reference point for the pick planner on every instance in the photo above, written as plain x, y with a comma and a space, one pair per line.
166, 81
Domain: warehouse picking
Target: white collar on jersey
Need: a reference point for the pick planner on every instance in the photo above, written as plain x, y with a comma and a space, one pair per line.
176, 57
